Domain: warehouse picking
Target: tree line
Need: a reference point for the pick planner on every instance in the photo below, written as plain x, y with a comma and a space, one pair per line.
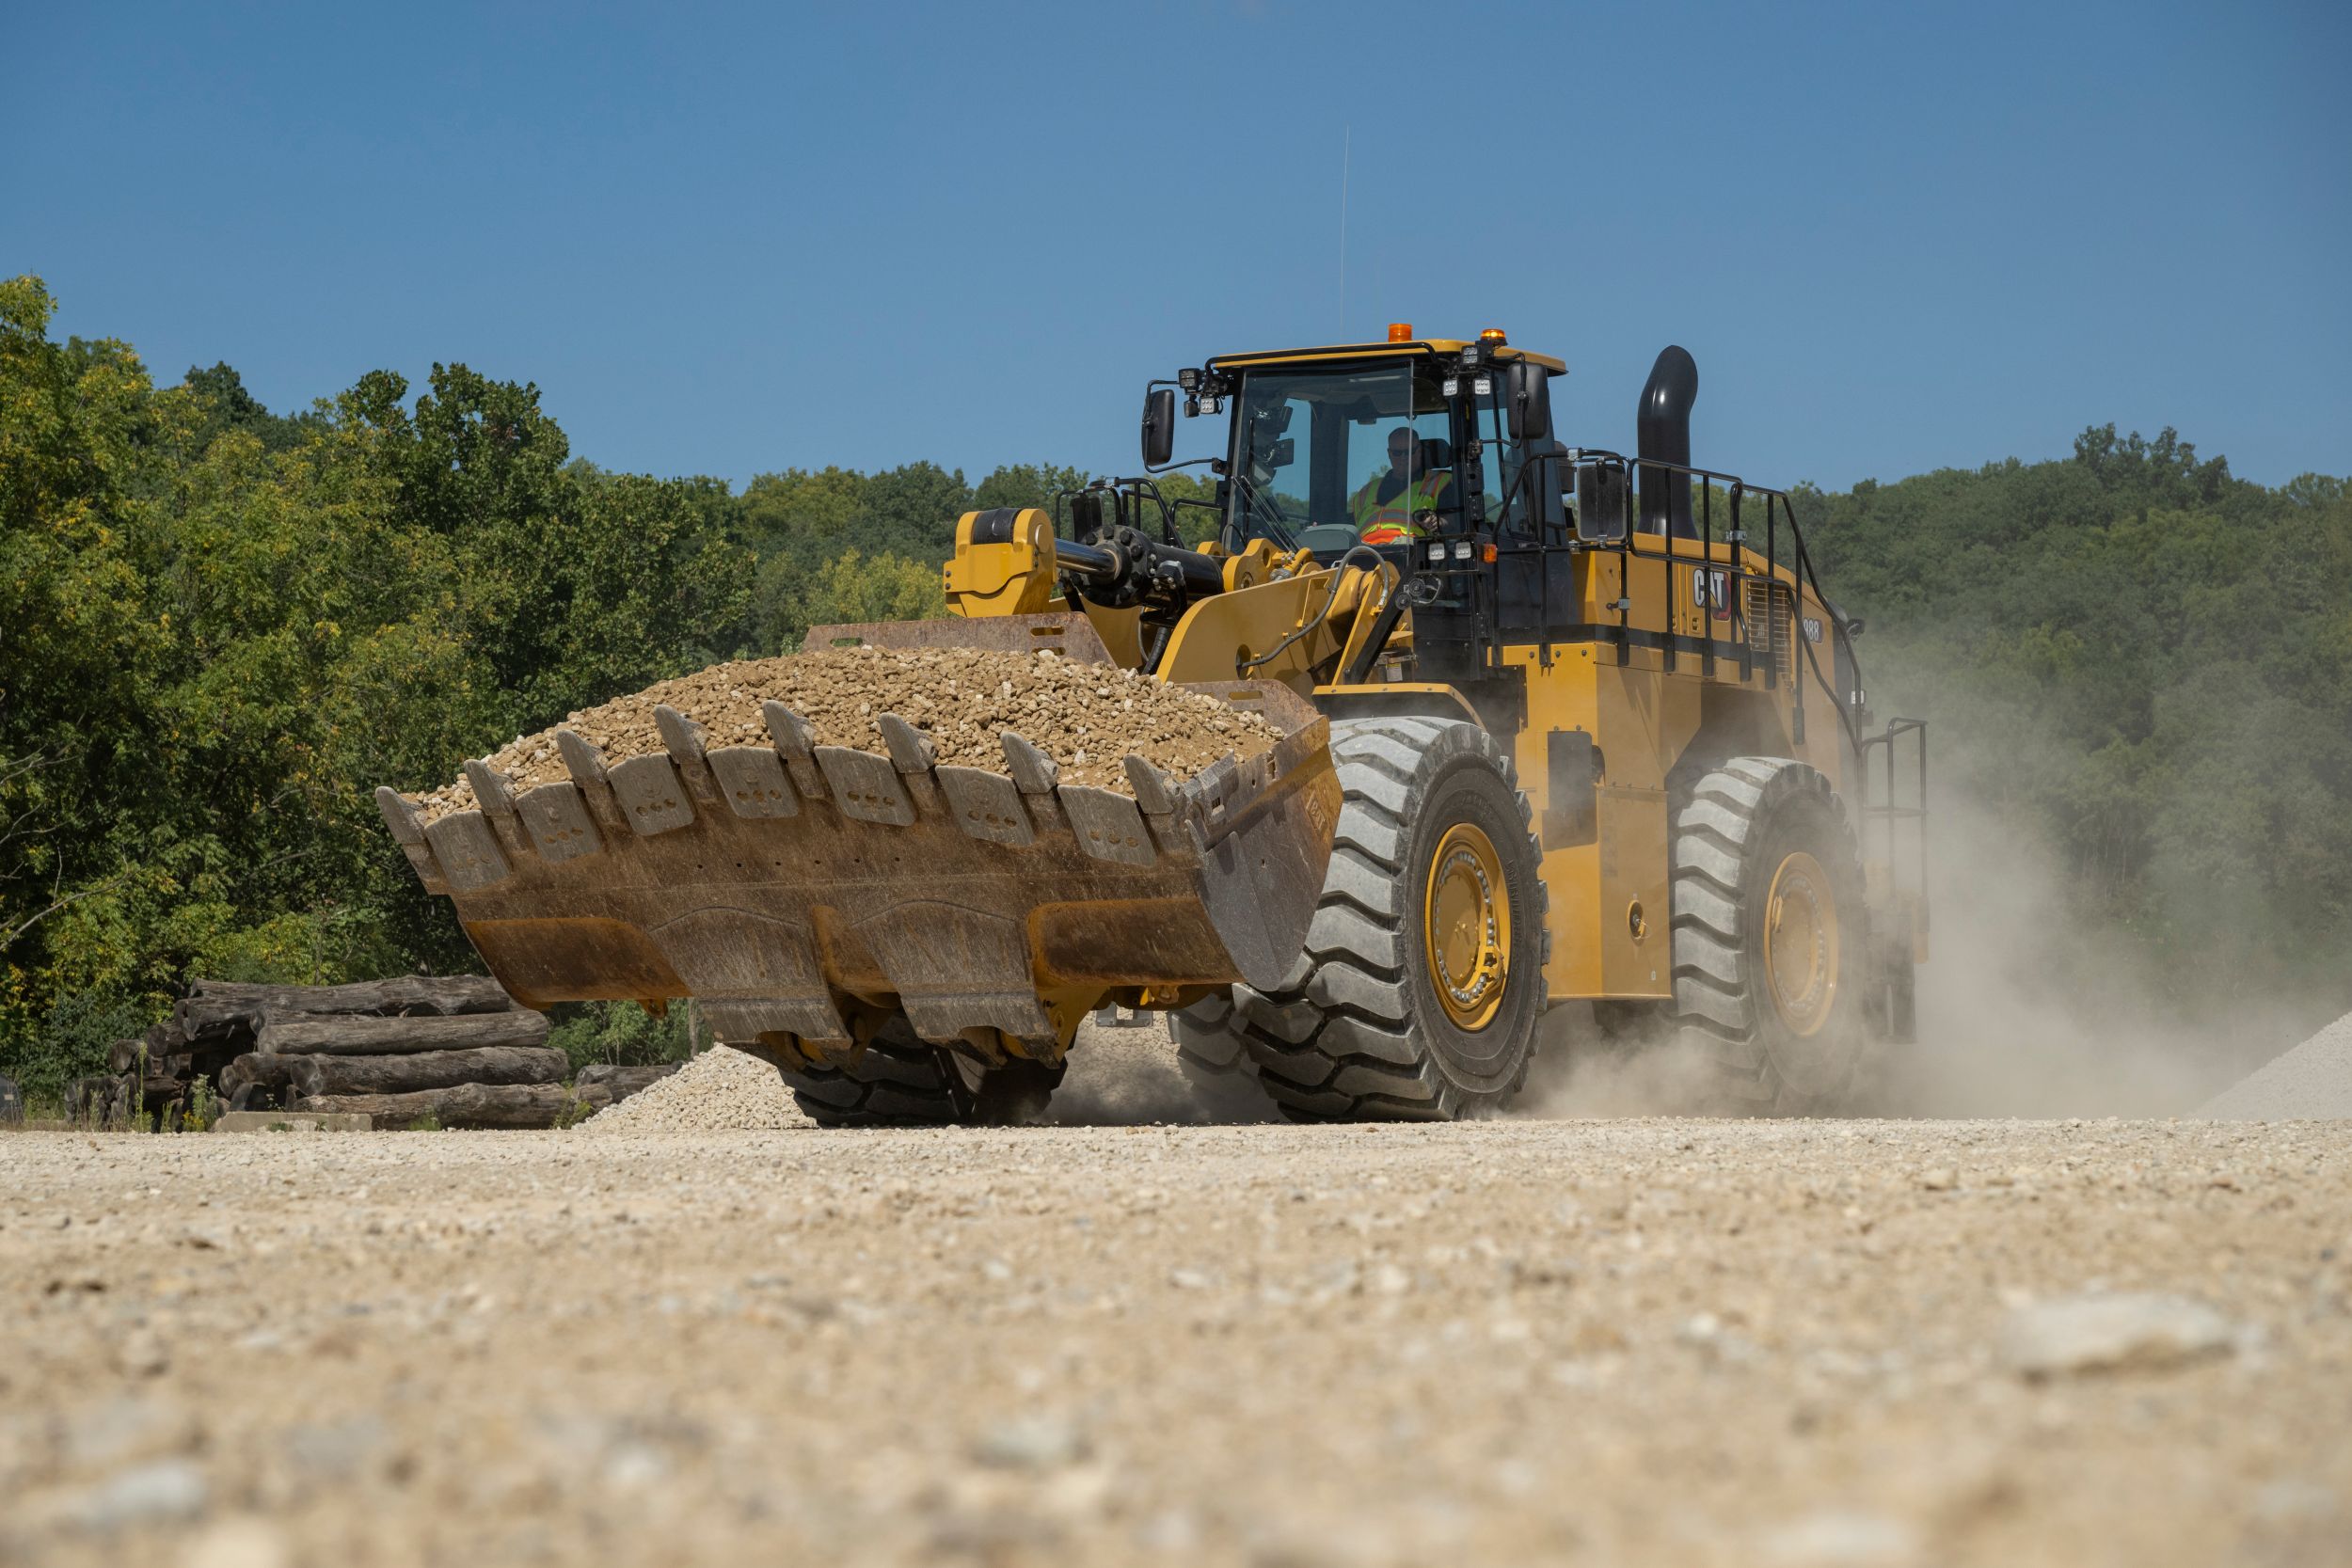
221, 626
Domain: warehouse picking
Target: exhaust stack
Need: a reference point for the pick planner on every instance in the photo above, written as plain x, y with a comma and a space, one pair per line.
1662, 432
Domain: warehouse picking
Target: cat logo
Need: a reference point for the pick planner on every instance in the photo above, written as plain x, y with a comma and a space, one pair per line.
1711, 588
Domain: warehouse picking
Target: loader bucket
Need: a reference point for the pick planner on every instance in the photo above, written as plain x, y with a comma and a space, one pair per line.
794, 889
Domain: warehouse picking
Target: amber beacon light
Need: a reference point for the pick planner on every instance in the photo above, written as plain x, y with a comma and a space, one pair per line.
1400, 332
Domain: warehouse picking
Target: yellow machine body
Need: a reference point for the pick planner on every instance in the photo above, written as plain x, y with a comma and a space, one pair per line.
1294, 621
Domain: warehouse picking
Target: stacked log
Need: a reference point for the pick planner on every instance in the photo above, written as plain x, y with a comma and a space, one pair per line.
455, 1048
409, 1047
306, 1035
465, 1105
215, 1009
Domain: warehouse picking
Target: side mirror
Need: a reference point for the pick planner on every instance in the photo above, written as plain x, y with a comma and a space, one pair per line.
1159, 426
1601, 502
1528, 391
1286, 452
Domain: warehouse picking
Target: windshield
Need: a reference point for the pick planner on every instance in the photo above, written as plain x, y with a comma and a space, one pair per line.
1368, 450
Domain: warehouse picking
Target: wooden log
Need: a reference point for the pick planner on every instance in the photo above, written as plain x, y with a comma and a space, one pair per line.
256, 1070
622, 1081
122, 1057
466, 1105
216, 1007
305, 1034
432, 1069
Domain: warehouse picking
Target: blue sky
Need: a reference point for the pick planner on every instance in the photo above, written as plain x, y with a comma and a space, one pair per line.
726, 240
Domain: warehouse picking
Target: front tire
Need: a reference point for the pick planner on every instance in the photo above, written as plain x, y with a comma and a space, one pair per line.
1770, 940
1419, 992
903, 1080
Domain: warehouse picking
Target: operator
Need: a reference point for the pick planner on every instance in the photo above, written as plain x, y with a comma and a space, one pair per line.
1402, 503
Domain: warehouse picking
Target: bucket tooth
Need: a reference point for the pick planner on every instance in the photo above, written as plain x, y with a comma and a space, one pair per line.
585, 764
912, 754
986, 805
752, 779
557, 820
496, 797
1155, 794
468, 851
1034, 774
407, 828
650, 794
1107, 825
911, 749
1032, 770
865, 786
1163, 802
682, 737
795, 740
399, 816
490, 788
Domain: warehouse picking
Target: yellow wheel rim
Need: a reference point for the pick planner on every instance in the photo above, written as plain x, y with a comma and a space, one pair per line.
1466, 927
1800, 943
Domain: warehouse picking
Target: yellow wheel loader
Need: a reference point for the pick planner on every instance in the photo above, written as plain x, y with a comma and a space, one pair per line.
1556, 725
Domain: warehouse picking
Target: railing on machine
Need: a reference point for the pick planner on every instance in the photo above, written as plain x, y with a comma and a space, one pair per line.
1887, 811
1764, 607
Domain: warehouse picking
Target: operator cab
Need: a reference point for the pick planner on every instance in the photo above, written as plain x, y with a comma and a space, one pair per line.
1387, 445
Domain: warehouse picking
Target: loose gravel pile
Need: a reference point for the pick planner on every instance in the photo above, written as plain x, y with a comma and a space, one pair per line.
2311, 1082
722, 1090
1087, 716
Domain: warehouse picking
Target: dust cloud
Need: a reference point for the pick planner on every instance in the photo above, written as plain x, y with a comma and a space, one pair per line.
1127, 1074
2026, 1009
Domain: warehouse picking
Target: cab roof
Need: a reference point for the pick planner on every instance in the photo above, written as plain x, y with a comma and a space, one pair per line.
1437, 347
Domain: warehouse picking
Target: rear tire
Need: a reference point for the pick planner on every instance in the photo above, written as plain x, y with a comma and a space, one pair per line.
1770, 939
1419, 992
903, 1080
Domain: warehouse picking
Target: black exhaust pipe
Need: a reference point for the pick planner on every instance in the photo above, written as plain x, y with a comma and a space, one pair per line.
1663, 433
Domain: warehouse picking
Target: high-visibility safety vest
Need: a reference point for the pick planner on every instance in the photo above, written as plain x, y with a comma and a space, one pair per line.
1410, 513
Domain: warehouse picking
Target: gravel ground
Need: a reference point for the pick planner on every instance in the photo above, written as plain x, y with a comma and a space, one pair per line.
1590, 1342
1087, 716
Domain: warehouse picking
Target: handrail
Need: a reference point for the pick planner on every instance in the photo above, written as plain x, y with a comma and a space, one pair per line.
1801, 573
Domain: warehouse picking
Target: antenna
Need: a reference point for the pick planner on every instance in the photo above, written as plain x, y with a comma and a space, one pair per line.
1346, 136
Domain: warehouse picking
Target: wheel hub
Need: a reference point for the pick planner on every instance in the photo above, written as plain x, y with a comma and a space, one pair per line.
1466, 927
1801, 940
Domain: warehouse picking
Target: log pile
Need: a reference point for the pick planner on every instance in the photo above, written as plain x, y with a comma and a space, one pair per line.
454, 1050
424, 1039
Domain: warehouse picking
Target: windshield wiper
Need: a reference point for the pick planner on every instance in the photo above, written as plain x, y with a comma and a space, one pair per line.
1262, 507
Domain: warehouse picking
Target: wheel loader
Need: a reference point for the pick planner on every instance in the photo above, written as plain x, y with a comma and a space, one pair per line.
1558, 727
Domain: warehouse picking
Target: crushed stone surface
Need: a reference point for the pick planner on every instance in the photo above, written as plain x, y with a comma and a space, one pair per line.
722, 1091
2312, 1082
1650, 1341
1086, 717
